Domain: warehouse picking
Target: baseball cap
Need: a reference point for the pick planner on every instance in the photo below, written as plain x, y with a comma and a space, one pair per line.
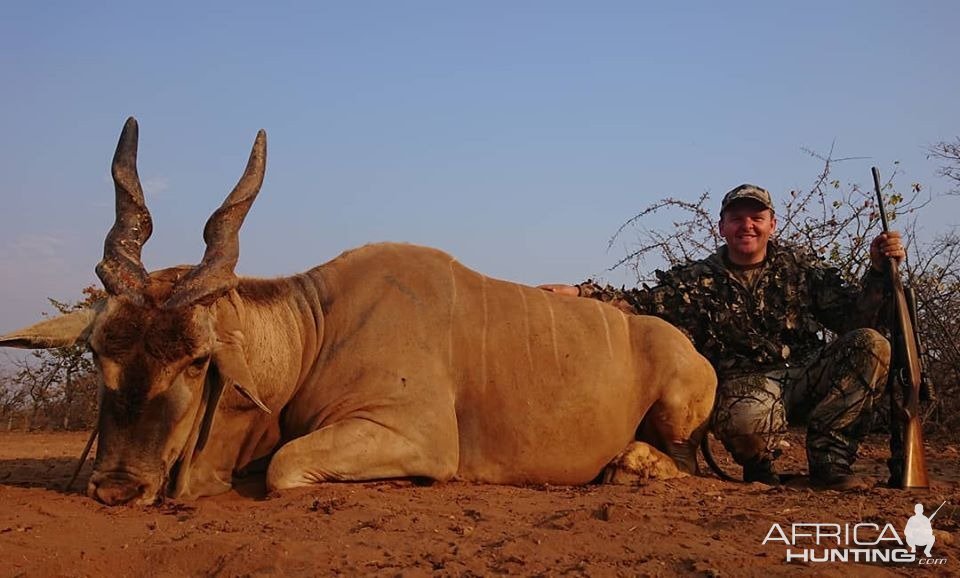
747, 191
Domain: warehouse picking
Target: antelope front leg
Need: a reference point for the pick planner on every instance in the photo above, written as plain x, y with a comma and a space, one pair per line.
360, 449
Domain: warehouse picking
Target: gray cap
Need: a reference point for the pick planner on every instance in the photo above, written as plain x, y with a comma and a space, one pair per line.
747, 191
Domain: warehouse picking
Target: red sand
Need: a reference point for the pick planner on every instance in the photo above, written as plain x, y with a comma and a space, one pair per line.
690, 527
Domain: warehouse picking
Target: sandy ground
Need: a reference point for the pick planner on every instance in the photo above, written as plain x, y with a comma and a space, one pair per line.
697, 526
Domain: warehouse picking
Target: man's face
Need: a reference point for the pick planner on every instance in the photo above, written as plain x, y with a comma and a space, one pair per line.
746, 226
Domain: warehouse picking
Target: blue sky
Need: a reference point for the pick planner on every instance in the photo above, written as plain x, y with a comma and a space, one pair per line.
515, 135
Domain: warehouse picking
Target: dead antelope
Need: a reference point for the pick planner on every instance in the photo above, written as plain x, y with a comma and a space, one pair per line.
389, 361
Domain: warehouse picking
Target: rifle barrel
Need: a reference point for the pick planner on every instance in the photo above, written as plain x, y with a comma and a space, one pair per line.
876, 187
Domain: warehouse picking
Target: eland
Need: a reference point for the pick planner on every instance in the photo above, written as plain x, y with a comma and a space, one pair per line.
389, 361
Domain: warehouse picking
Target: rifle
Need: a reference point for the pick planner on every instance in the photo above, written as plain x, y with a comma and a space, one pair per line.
908, 470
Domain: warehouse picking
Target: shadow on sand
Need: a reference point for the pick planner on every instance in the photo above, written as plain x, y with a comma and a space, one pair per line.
54, 473
48, 473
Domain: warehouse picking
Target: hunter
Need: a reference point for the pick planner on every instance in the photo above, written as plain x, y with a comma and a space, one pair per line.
757, 309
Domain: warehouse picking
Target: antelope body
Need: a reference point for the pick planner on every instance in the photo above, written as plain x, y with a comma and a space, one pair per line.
389, 361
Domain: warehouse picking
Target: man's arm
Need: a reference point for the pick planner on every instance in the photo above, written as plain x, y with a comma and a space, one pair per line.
572, 290
874, 287
589, 289
841, 308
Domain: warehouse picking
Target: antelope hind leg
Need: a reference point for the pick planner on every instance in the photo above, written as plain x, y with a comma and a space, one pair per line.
678, 421
639, 464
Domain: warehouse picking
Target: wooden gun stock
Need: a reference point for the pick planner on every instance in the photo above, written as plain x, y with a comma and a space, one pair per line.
906, 366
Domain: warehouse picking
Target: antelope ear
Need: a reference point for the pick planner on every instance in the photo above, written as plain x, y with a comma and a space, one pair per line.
232, 365
61, 331
213, 389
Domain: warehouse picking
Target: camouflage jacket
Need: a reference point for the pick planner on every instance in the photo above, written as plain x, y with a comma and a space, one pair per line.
776, 323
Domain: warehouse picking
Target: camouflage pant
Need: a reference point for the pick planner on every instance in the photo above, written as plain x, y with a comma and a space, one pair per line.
834, 394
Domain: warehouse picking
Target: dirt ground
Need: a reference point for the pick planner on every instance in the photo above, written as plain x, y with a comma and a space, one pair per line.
697, 526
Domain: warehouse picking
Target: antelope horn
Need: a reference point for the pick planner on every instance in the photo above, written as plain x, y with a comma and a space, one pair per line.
120, 269
214, 275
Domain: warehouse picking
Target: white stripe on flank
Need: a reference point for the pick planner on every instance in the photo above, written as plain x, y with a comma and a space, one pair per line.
526, 325
453, 309
626, 325
553, 331
606, 328
483, 341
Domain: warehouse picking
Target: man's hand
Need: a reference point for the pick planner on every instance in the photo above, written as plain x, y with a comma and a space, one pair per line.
886, 246
572, 290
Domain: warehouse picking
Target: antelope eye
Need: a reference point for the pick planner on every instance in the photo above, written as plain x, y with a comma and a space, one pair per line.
196, 366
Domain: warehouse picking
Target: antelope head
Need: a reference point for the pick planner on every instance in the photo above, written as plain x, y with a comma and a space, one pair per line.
166, 344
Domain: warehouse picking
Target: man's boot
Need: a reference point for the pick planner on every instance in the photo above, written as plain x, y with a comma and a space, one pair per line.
836, 477
760, 470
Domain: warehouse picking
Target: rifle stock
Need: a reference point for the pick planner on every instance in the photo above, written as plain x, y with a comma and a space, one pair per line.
906, 367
